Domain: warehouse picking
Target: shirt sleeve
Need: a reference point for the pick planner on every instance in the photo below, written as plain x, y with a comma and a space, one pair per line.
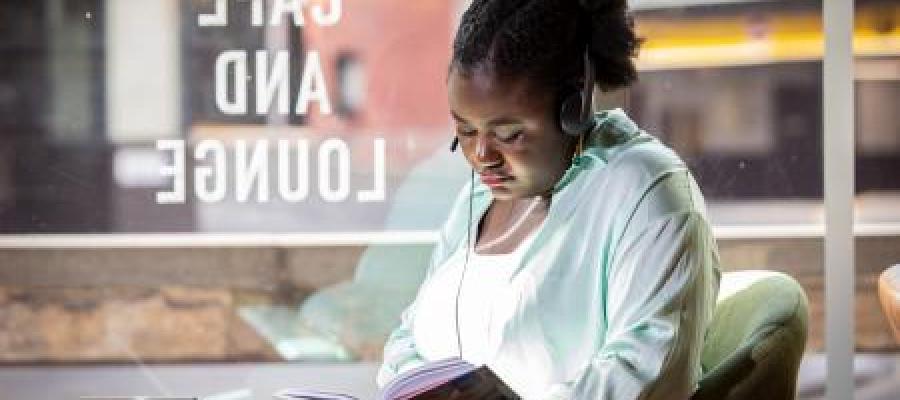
661, 290
400, 352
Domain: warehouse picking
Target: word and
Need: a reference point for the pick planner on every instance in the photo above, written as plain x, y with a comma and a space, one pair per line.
271, 84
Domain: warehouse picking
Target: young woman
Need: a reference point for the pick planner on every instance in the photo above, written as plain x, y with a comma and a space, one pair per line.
578, 264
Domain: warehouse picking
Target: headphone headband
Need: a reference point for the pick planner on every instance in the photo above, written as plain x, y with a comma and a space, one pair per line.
587, 92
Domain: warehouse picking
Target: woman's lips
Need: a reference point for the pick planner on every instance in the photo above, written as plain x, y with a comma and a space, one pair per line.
493, 180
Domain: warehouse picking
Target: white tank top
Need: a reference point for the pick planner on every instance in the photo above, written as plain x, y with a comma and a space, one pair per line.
481, 317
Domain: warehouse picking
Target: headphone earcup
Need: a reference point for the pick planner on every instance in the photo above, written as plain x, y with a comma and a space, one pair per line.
570, 119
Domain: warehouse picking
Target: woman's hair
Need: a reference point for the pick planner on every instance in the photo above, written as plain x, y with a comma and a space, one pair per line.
545, 41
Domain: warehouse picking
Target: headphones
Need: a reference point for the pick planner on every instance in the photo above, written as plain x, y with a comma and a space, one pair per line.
575, 119
574, 113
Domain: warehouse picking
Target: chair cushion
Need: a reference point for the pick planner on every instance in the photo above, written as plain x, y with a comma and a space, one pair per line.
756, 338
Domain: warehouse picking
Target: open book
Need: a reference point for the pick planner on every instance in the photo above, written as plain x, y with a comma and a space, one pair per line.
435, 380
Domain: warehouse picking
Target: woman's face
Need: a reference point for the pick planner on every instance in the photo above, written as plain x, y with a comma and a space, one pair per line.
508, 133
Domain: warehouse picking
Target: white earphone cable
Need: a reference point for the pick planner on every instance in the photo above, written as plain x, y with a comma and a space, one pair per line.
465, 262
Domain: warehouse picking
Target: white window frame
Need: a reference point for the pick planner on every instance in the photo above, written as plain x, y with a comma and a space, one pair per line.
839, 162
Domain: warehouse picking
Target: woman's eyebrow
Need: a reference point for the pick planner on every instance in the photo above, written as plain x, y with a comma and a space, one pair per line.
502, 120
457, 117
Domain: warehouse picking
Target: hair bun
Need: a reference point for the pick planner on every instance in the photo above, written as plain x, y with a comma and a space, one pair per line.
603, 6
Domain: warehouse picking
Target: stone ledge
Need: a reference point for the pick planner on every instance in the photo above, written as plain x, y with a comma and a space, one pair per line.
266, 268
123, 324
179, 304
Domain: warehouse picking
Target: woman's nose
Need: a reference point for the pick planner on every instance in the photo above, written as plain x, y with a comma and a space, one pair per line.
485, 152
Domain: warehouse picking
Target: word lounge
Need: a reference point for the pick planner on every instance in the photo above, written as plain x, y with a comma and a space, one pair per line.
249, 176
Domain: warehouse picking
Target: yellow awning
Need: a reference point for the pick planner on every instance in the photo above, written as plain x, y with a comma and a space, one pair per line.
751, 39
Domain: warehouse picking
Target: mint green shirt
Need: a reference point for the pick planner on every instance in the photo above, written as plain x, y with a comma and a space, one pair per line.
611, 298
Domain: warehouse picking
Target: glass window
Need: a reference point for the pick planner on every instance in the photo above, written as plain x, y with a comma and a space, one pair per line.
877, 201
230, 185
736, 89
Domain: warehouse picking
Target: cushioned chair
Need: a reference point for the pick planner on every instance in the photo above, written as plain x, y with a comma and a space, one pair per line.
889, 293
756, 338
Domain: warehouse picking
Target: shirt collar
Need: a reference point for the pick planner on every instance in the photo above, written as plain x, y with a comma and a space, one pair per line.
612, 131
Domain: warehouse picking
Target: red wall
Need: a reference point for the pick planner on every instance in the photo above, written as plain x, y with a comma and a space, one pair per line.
404, 48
